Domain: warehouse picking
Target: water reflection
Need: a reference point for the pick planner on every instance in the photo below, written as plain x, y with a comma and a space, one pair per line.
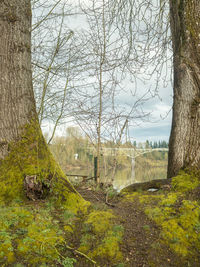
127, 176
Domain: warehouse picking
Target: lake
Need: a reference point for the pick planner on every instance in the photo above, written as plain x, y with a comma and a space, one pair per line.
129, 175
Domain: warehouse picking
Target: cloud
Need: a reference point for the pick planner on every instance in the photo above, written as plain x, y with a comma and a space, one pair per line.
153, 133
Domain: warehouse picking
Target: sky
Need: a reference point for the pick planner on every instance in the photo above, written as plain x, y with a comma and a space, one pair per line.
158, 125
156, 128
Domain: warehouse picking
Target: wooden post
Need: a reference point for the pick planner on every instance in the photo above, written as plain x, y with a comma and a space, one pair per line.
95, 169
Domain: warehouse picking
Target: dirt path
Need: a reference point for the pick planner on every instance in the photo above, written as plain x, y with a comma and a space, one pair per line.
142, 245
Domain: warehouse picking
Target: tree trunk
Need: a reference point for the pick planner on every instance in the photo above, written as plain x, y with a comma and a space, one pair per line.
17, 104
184, 144
25, 160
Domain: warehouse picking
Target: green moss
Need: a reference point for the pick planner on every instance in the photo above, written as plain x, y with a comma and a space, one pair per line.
159, 215
6, 247
147, 199
185, 182
75, 203
31, 235
102, 237
68, 219
100, 221
40, 242
105, 246
180, 233
189, 215
175, 236
178, 226
169, 200
31, 156
130, 196
178, 217
86, 242
38, 234
15, 217
109, 247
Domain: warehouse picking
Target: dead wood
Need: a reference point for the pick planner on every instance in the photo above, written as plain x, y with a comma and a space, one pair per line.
33, 187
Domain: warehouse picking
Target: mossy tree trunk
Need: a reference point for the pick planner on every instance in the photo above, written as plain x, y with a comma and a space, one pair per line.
184, 145
17, 104
23, 150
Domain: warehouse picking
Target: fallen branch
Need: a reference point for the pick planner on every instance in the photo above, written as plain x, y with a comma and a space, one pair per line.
90, 178
107, 203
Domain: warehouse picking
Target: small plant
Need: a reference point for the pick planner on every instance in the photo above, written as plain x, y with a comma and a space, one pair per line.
111, 192
68, 262
68, 215
120, 265
146, 227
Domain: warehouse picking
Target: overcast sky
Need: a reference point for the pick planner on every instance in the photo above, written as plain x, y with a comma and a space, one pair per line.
159, 124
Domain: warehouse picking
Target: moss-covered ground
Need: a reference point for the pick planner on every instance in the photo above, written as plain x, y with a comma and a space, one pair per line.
176, 211
56, 226
43, 233
142, 228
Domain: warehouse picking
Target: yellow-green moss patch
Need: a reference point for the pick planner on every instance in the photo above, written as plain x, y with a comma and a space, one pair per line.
100, 221
28, 234
178, 216
101, 237
130, 196
185, 182
109, 247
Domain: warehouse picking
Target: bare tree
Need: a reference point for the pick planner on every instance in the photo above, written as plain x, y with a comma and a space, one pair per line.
120, 41
106, 58
184, 36
54, 61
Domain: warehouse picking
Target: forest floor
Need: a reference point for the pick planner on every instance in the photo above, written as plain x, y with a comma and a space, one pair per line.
142, 245
136, 228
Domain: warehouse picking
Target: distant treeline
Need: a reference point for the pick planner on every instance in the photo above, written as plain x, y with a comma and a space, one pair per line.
155, 144
72, 151
148, 144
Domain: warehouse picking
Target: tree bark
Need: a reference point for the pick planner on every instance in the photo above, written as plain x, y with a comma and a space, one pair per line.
17, 104
184, 144
24, 156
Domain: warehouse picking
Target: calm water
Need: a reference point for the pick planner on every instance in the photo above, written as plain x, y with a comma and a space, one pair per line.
127, 176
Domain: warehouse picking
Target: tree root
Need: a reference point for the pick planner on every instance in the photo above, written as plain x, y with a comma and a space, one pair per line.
157, 184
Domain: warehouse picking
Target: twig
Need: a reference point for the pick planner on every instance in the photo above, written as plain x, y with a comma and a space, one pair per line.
107, 203
75, 251
81, 253
90, 178
94, 196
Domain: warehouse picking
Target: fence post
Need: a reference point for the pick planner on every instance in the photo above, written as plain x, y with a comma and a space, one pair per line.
95, 169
